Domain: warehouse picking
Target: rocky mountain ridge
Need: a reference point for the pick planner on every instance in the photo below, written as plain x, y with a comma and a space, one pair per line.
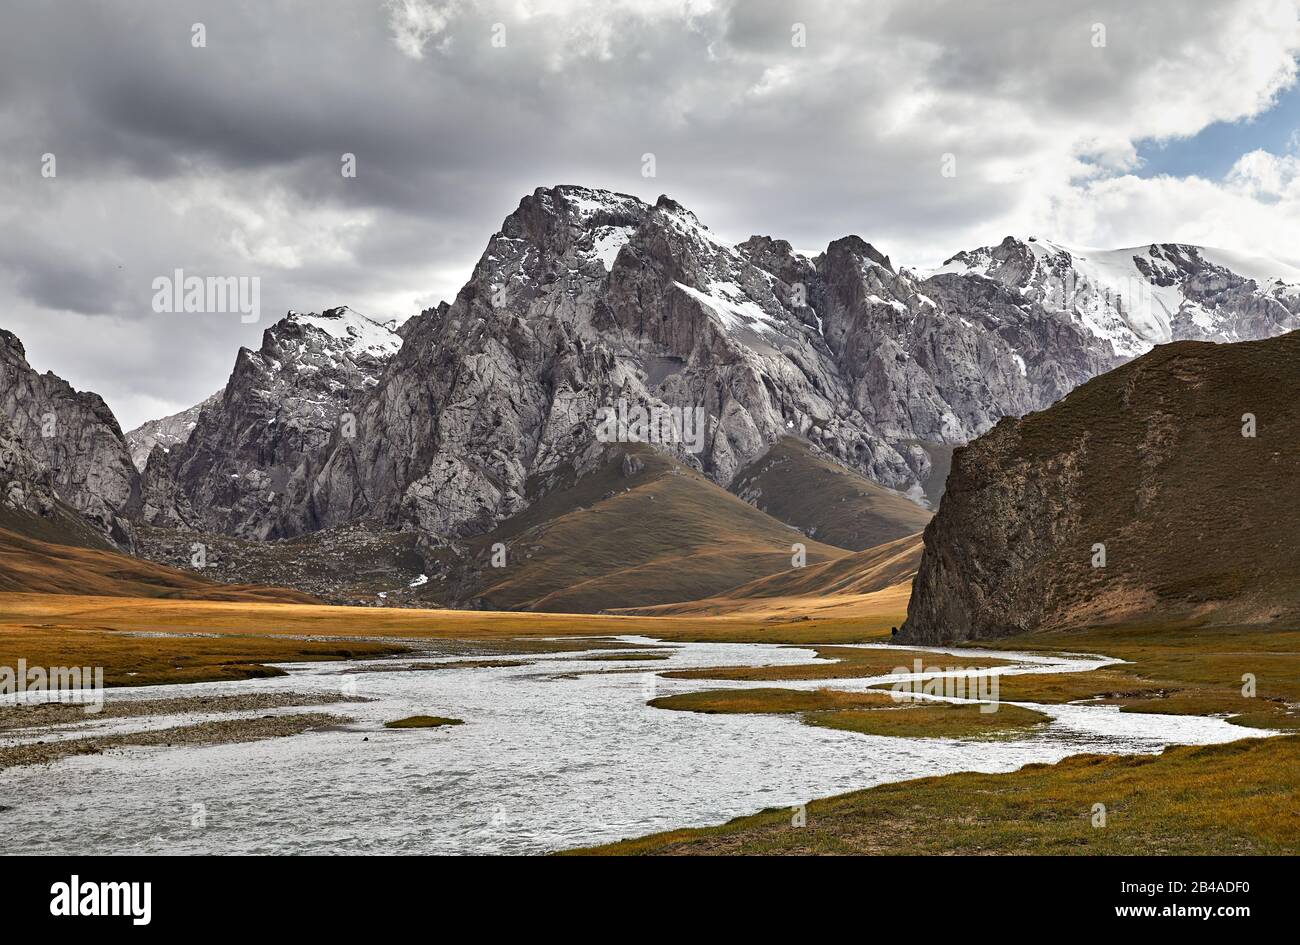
586, 298
586, 301
252, 449
70, 440
167, 432
1143, 296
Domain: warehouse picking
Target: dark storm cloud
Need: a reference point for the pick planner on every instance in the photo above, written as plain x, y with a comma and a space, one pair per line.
52, 280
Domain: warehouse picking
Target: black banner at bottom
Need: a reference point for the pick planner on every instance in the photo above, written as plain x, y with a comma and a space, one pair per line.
332, 895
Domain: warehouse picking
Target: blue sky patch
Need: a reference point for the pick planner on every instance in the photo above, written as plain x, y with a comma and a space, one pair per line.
1211, 152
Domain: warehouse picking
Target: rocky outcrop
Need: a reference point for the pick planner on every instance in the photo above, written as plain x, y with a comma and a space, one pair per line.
25, 485
74, 442
164, 503
167, 432
1161, 491
253, 450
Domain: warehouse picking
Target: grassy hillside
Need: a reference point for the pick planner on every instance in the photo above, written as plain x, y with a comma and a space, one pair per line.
638, 531
31, 565
877, 580
862, 572
64, 526
824, 500
631, 534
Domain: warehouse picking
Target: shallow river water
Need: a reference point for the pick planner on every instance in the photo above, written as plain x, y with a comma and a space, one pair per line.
560, 753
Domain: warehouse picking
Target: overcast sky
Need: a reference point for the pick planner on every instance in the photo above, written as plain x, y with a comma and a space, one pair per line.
1104, 123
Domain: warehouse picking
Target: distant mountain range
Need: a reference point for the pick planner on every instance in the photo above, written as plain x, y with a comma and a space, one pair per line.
832, 391
1146, 295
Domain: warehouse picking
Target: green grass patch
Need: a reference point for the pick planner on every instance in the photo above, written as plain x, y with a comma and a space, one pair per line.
932, 720
1174, 669
619, 657
423, 721
870, 713
769, 700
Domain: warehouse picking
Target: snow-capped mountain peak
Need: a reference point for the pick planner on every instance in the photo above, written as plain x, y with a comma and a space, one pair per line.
356, 332
1137, 297
248, 452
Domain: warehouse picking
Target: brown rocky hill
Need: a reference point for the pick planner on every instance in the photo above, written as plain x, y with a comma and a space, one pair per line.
1198, 521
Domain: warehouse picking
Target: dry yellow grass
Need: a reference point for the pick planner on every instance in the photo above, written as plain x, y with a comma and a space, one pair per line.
878, 580
66, 630
133, 660
886, 607
135, 614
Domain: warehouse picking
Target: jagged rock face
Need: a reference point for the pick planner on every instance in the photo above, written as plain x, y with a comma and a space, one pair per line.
942, 360
583, 299
1144, 496
74, 438
29, 503
439, 311
252, 450
167, 432
587, 298
164, 504
1132, 299
25, 485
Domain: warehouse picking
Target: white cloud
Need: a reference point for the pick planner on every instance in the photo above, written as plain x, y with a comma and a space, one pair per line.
418, 23
1263, 176
1255, 210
